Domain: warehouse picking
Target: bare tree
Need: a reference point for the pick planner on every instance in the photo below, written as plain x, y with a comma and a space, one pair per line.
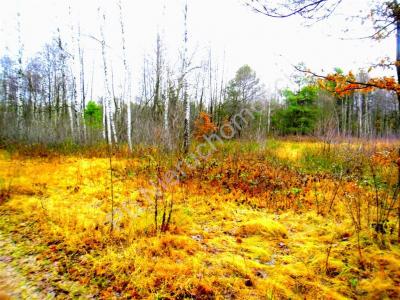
74, 105
20, 78
127, 92
157, 101
186, 104
82, 89
107, 98
309, 9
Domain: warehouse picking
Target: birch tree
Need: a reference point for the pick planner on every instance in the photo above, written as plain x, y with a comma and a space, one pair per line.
20, 78
82, 89
107, 97
127, 87
157, 101
74, 93
186, 104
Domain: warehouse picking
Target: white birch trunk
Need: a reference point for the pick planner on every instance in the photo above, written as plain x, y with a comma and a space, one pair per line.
113, 106
82, 84
107, 98
19, 102
128, 117
74, 97
127, 81
186, 130
166, 108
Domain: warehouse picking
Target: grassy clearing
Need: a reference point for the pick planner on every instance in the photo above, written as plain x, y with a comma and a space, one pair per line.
277, 220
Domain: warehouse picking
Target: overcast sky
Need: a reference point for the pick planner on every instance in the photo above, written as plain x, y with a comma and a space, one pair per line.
235, 34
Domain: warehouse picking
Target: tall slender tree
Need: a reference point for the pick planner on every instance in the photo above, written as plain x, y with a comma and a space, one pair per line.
20, 79
107, 97
186, 104
127, 87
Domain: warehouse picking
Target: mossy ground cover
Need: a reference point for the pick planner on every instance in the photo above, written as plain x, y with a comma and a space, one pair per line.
274, 220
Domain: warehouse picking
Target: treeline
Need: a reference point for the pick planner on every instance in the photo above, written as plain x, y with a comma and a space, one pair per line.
314, 111
51, 98
45, 102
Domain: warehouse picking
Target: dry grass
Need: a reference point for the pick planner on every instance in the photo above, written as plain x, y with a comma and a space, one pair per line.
245, 225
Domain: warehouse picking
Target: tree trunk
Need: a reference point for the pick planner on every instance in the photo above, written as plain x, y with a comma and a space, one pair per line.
186, 123
107, 100
127, 85
75, 84
186, 104
103, 103
113, 99
82, 84
20, 95
129, 117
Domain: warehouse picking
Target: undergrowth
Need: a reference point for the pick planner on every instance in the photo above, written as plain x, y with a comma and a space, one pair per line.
277, 220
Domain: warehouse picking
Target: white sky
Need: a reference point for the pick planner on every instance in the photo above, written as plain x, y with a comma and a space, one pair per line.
232, 31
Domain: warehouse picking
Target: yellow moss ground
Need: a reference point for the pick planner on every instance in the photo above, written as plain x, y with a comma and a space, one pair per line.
242, 228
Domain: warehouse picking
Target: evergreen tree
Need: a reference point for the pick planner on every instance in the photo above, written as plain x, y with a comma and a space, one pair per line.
300, 115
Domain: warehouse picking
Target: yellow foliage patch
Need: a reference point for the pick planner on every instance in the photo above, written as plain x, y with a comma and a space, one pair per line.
249, 223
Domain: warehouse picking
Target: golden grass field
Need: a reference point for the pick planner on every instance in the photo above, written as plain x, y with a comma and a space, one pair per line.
276, 220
